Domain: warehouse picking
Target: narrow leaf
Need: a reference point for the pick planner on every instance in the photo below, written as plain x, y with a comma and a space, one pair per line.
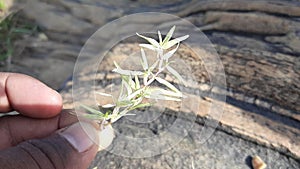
104, 94
169, 35
140, 106
170, 53
132, 95
170, 93
108, 105
168, 84
148, 46
153, 66
121, 91
174, 42
93, 116
158, 93
128, 88
124, 103
129, 81
127, 72
132, 83
162, 97
119, 70
150, 40
137, 82
93, 111
21, 30
176, 74
145, 79
160, 38
160, 64
145, 62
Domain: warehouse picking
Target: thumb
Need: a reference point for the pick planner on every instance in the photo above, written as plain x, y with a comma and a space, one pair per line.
70, 148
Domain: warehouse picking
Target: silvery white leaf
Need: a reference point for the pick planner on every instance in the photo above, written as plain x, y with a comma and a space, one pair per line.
127, 72
137, 82
128, 114
160, 64
108, 105
153, 66
170, 93
174, 42
104, 94
128, 88
145, 79
148, 46
150, 40
132, 95
121, 92
176, 74
145, 62
159, 37
168, 84
161, 97
158, 93
169, 35
170, 53
119, 70
116, 110
132, 83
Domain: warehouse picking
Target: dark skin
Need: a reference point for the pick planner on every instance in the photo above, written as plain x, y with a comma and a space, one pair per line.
30, 140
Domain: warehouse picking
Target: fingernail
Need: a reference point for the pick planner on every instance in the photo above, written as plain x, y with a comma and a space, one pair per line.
82, 136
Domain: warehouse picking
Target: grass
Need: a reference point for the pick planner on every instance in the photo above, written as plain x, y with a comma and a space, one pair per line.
12, 28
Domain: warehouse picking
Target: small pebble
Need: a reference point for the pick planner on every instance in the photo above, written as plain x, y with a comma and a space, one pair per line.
258, 163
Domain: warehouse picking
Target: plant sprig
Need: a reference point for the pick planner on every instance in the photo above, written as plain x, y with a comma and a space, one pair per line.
133, 93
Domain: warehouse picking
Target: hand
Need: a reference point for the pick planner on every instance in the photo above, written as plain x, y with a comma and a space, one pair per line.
39, 138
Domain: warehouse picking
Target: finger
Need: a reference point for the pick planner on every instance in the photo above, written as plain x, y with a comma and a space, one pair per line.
28, 96
16, 129
71, 149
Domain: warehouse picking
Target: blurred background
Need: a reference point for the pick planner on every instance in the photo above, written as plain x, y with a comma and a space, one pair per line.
258, 43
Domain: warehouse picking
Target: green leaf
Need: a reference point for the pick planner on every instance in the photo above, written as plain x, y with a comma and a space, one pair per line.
141, 106
21, 30
93, 116
169, 35
174, 42
168, 84
150, 40
176, 74
144, 60
93, 111
124, 103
